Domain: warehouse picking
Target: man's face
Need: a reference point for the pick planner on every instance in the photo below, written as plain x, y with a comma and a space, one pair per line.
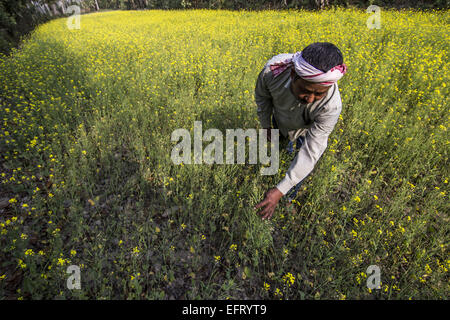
305, 91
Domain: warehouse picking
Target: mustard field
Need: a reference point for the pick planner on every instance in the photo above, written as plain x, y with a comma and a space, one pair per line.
86, 117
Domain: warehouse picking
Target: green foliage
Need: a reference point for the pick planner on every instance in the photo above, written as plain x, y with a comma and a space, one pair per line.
16, 19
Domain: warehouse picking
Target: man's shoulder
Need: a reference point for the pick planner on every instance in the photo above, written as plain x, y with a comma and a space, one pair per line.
336, 99
279, 58
333, 105
267, 72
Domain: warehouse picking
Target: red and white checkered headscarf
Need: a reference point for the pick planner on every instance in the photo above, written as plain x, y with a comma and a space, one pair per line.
308, 72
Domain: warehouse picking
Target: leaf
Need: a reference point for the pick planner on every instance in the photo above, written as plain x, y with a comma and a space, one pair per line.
247, 273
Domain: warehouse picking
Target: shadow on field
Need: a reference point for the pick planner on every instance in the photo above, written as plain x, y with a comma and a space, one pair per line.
117, 213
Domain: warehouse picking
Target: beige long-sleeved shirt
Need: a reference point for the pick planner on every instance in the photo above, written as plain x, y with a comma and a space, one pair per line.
315, 121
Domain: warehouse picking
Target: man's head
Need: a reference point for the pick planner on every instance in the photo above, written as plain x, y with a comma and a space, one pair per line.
322, 56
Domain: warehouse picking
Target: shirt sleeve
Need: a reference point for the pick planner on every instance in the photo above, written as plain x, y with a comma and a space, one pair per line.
316, 141
263, 100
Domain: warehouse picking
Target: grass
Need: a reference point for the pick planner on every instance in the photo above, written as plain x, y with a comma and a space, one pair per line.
87, 180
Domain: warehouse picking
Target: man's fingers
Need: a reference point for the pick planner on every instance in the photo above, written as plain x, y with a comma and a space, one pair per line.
264, 211
268, 204
262, 203
269, 213
267, 216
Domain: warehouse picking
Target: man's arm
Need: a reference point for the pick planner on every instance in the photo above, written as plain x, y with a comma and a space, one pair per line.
263, 100
312, 149
315, 143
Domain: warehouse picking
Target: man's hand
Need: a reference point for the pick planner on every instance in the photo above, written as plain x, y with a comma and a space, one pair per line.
271, 199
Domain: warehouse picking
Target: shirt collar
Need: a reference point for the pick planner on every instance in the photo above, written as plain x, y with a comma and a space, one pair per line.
288, 83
